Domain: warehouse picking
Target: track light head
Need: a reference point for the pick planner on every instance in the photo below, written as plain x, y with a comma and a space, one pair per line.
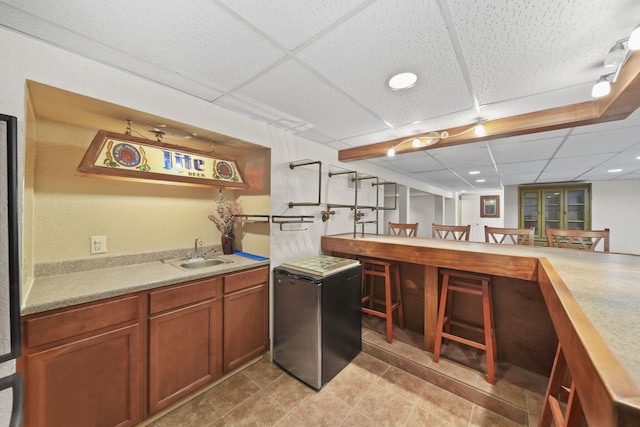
601, 88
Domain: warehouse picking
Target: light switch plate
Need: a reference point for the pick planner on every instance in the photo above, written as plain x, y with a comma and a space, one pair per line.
98, 245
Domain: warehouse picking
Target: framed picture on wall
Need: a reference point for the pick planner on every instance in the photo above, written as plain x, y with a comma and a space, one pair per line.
490, 206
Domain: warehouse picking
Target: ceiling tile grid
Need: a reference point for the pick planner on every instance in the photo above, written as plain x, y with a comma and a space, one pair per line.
360, 55
289, 24
292, 87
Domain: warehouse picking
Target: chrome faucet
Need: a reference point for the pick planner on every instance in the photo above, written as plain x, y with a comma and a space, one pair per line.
195, 250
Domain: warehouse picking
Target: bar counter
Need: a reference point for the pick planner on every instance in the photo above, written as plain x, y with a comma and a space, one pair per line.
592, 298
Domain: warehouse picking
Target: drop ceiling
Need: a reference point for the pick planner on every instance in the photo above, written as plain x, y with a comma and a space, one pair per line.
319, 70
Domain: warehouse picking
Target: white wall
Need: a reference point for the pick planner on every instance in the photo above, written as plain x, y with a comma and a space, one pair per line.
423, 211
470, 214
615, 205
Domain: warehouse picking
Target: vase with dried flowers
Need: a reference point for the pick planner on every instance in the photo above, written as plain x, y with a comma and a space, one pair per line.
223, 219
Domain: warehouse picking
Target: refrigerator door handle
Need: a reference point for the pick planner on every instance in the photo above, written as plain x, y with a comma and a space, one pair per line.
17, 411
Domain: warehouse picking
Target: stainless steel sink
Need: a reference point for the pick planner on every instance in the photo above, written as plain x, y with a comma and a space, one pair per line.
196, 263
202, 263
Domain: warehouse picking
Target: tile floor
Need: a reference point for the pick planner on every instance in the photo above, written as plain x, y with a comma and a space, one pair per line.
396, 386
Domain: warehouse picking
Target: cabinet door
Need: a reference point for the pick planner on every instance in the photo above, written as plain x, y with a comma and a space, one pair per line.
552, 200
90, 382
184, 352
531, 210
246, 325
576, 209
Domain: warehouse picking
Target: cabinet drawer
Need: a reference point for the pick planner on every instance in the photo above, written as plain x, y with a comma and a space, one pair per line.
182, 295
68, 323
245, 279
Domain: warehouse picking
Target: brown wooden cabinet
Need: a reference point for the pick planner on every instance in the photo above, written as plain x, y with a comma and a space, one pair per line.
114, 362
82, 365
246, 316
185, 340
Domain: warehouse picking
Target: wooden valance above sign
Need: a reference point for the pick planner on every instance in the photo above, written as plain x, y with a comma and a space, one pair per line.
119, 156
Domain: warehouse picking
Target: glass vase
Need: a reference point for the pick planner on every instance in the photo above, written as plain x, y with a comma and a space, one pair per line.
227, 243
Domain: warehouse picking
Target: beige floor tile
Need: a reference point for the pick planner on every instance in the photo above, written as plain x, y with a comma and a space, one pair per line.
198, 412
230, 393
421, 417
258, 410
402, 383
322, 409
384, 406
368, 366
349, 386
288, 391
443, 405
482, 417
358, 419
263, 372
290, 421
534, 407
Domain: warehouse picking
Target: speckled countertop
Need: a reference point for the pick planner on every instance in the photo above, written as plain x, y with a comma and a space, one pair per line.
75, 287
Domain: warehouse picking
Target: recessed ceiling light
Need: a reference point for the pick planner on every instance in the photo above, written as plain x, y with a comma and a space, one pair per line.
402, 81
614, 170
474, 172
480, 180
638, 158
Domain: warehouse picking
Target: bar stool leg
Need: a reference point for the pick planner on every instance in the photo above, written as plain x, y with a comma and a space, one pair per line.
441, 311
490, 349
572, 416
399, 298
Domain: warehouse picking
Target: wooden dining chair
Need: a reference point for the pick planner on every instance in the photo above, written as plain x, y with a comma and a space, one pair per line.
514, 236
587, 240
406, 230
450, 232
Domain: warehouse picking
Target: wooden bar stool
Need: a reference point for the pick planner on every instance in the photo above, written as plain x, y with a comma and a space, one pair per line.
472, 284
372, 268
551, 409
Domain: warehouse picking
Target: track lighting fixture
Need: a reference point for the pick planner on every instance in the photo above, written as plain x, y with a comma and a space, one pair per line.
434, 137
601, 88
616, 57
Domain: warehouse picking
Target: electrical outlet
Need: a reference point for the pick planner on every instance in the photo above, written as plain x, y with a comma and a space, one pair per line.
98, 245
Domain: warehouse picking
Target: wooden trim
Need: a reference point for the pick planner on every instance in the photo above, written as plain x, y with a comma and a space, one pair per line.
623, 100
604, 403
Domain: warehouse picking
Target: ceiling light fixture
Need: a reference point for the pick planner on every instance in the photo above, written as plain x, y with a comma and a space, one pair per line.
601, 88
402, 81
474, 172
481, 180
616, 57
434, 137
614, 170
634, 38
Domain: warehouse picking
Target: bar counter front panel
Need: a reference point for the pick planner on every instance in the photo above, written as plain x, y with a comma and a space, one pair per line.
590, 299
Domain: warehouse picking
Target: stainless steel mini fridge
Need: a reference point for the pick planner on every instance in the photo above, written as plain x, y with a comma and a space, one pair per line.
317, 322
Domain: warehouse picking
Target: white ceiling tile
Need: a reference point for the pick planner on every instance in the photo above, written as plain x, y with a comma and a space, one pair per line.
291, 87
415, 162
519, 35
467, 156
525, 151
519, 178
562, 175
288, 23
360, 55
582, 162
508, 169
610, 141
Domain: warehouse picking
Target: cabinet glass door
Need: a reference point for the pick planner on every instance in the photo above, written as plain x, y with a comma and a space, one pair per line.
531, 209
552, 208
575, 209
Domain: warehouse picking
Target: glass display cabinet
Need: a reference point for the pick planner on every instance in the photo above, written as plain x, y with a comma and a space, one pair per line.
555, 206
